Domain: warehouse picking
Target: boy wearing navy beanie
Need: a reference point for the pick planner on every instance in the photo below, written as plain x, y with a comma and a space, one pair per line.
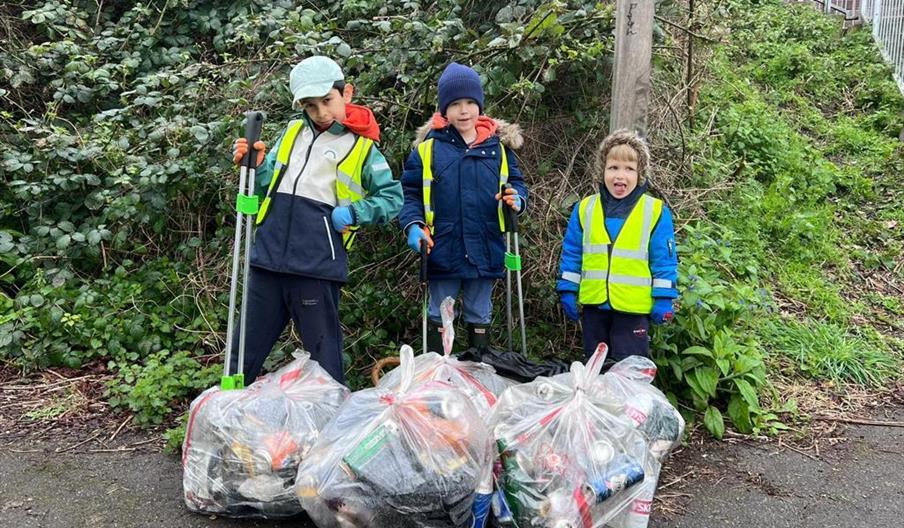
452, 183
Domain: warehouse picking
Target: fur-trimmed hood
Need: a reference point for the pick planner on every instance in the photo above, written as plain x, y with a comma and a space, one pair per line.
509, 133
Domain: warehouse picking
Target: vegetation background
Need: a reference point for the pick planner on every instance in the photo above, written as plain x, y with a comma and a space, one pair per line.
775, 136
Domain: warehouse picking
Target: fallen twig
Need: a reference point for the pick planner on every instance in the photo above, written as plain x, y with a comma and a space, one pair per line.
858, 421
118, 429
145, 442
802, 452
83, 442
117, 450
676, 480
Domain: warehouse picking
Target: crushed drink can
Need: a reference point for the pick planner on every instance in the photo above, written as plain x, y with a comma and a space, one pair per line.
620, 475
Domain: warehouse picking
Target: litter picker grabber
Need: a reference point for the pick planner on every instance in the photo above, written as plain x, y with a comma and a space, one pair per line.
246, 206
422, 275
513, 263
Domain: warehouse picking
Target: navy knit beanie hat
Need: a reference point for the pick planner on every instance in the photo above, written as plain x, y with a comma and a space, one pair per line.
459, 82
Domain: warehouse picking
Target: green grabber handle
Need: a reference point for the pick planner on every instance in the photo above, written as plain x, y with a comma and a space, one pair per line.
246, 205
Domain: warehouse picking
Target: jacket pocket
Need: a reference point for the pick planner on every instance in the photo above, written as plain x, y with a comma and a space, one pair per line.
329, 237
495, 242
446, 255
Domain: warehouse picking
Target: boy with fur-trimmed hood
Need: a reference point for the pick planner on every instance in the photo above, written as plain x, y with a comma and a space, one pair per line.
618, 255
451, 183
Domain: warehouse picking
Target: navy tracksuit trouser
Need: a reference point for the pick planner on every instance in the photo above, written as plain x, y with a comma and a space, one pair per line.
313, 304
625, 334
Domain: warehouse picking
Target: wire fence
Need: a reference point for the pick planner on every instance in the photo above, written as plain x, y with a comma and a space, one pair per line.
886, 19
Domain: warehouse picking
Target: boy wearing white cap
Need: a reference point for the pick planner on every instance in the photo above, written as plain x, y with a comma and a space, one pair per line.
323, 179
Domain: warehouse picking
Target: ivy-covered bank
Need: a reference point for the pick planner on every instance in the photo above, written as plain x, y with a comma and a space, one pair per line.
116, 205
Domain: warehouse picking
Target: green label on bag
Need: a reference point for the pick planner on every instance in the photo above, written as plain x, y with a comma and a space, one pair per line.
247, 204
366, 449
512, 262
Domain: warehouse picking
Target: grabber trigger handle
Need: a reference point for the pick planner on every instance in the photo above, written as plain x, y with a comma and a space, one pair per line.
423, 270
511, 218
253, 122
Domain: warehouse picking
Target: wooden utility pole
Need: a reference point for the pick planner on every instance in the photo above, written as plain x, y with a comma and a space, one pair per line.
631, 75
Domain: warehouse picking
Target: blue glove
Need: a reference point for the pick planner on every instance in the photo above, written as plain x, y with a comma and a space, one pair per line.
342, 218
570, 305
519, 204
511, 198
415, 235
662, 311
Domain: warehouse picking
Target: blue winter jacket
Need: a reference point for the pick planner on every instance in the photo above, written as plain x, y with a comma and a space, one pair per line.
663, 255
468, 243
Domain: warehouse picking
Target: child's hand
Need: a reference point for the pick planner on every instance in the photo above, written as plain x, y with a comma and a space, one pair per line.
663, 311
416, 234
342, 218
240, 148
570, 305
511, 199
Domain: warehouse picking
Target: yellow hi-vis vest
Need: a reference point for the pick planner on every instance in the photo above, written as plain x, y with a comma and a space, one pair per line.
618, 272
348, 174
425, 151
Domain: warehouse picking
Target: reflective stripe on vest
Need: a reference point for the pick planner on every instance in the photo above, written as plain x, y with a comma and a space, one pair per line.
348, 174
621, 276
425, 151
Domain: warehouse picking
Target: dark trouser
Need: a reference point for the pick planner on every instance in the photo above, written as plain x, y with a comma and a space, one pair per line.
626, 334
275, 297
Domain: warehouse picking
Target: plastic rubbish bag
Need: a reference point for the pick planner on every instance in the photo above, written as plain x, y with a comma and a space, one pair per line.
661, 425
477, 380
630, 382
242, 447
569, 457
411, 457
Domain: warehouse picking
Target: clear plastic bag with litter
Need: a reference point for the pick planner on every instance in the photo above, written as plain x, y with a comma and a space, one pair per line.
242, 448
629, 382
569, 457
409, 457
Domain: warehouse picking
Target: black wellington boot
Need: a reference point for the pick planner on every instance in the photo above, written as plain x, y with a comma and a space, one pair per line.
434, 336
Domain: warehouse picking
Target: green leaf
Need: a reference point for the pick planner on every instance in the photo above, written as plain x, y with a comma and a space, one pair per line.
746, 363
200, 133
697, 350
724, 365
707, 379
699, 393
739, 413
747, 392
714, 422
36, 300
676, 368
701, 330
63, 242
